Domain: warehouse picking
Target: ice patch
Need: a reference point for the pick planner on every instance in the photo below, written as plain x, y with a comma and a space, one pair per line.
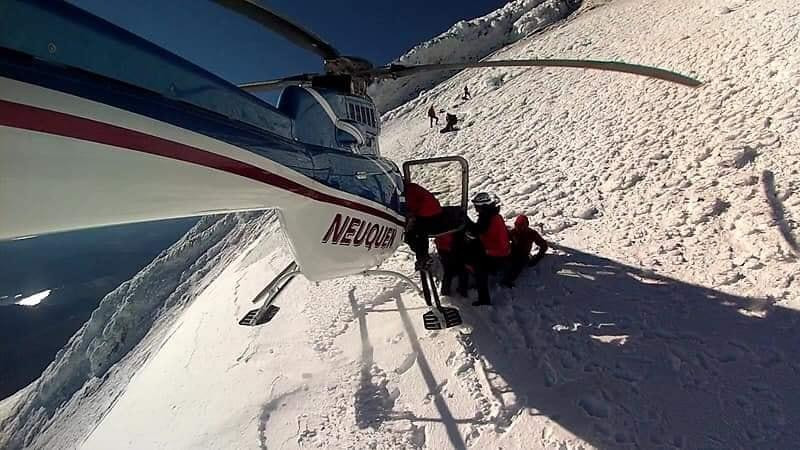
34, 299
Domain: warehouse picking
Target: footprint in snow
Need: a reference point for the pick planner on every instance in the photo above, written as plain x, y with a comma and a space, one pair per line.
407, 363
595, 407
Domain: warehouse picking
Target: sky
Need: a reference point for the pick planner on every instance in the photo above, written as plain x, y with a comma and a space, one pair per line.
240, 50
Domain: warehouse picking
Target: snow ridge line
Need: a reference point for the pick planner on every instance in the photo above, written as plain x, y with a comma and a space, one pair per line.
122, 321
470, 40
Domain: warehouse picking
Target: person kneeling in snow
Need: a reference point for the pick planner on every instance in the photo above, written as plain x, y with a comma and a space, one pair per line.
522, 239
451, 120
489, 248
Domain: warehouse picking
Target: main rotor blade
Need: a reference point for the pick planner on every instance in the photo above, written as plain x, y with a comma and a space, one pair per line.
270, 85
397, 71
285, 27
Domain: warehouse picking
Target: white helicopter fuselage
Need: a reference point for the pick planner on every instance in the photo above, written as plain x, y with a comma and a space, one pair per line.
86, 142
71, 163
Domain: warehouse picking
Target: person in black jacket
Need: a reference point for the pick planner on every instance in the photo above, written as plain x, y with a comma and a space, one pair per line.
451, 120
432, 116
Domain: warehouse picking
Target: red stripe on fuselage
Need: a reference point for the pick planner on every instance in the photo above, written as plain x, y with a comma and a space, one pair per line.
52, 122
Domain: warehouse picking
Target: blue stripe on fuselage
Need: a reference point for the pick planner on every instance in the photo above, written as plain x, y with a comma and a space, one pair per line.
331, 167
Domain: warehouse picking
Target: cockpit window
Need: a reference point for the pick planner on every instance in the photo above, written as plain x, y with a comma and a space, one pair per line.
93, 45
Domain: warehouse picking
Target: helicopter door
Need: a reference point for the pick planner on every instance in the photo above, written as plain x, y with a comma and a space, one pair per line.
447, 178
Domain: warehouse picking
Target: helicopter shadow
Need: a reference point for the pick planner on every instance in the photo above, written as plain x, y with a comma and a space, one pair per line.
623, 358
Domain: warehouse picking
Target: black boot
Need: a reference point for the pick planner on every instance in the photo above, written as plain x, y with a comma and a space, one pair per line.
483, 292
423, 262
483, 298
447, 282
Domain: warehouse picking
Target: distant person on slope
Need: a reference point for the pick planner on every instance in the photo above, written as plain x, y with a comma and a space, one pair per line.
467, 95
490, 247
451, 120
432, 116
522, 239
424, 218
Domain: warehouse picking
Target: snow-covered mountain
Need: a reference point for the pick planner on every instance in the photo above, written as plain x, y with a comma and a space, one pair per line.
96, 364
665, 317
470, 40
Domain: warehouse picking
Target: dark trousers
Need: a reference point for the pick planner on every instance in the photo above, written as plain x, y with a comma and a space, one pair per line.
453, 267
424, 227
520, 261
517, 262
484, 265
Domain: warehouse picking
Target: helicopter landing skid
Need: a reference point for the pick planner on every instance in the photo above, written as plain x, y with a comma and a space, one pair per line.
267, 311
439, 316
256, 317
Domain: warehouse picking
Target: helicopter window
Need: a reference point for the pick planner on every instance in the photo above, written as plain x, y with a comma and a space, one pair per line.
359, 117
372, 117
351, 110
148, 67
346, 139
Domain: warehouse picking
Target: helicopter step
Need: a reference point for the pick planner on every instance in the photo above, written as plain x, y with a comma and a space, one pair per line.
267, 311
439, 316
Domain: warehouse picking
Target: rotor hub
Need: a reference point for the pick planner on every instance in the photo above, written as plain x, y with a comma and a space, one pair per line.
347, 65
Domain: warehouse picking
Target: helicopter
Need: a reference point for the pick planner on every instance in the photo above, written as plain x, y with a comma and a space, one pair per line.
100, 127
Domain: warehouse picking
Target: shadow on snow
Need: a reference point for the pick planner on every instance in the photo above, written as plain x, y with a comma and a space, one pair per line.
623, 358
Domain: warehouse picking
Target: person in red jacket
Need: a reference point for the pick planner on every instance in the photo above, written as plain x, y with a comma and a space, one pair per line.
490, 247
424, 218
522, 239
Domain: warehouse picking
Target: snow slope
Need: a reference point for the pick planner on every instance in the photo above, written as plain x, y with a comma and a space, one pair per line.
469, 40
665, 317
93, 369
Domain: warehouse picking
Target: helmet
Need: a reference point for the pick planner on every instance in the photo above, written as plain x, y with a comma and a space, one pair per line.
483, 199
